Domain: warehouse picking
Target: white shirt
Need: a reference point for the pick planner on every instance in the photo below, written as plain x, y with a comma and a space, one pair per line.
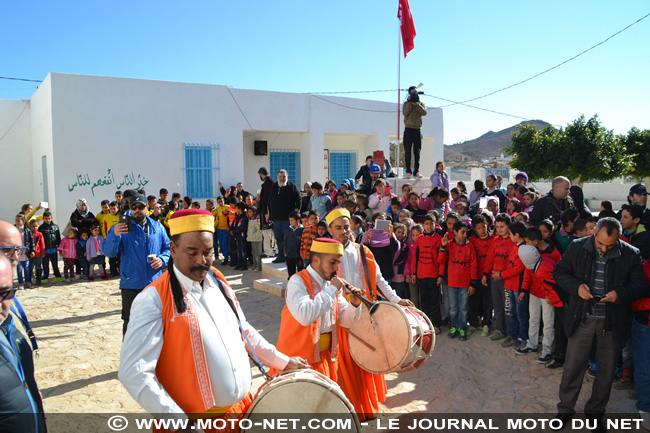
225, 351
306, 310
351, 273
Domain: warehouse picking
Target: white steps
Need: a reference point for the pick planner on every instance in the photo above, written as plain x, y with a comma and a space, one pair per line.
274, 278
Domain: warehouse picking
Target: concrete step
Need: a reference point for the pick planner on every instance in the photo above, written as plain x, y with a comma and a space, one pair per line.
273, 286
274, 270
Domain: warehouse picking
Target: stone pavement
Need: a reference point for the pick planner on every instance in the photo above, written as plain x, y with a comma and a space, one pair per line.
78, 327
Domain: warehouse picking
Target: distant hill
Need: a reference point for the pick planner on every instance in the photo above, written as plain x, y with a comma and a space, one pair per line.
487, 145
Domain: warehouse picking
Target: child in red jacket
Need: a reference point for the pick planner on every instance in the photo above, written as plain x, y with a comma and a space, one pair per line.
480, 303
533, 236
36, 262
409, 268
513, 276
462, 273
538, 278
447, 231
496, 261
428, 271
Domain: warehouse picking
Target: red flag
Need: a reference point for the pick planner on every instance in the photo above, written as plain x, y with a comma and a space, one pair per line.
406, 25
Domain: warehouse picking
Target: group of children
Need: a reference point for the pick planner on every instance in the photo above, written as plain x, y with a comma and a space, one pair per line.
81, 250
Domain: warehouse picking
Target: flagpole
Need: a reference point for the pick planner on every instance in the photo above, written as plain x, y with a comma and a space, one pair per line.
399, 107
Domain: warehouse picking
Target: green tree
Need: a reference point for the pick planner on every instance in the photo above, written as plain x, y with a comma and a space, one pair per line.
583, 150
534, 151
637, 143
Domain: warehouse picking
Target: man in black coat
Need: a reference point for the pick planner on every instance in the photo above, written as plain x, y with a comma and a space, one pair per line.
554, 204
602, 275
265, 194
284, 199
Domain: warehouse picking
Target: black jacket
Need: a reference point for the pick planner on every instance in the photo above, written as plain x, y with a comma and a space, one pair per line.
29, 240
283, 201
79, 222
623, 273
21, 407
548, 208
265, 195
51, 235
579, 202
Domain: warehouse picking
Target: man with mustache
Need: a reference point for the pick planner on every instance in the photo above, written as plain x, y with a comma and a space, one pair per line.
143, 250
185, 351
316, 307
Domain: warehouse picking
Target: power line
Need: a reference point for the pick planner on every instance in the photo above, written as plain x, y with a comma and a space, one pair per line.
553, 67
240, 110
353, 108
12, 125
21, 79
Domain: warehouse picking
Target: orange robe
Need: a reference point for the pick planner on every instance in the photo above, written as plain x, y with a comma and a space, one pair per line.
364, 390
298, 340
182, 351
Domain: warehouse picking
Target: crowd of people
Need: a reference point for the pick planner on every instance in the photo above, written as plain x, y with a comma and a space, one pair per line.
537, 274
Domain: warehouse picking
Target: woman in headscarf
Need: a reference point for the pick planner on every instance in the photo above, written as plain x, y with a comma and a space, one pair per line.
81, 217
579, 202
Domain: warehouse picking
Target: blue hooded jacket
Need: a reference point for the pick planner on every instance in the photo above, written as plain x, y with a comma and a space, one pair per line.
135, 271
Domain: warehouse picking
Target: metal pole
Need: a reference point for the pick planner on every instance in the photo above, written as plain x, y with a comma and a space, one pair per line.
399, 107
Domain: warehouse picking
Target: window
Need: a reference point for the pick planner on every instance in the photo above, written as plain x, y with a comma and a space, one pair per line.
200, 168
343, 165
288, 160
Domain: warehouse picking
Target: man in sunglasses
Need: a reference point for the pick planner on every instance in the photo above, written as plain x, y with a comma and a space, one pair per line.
20, 396
10, 242
144, 247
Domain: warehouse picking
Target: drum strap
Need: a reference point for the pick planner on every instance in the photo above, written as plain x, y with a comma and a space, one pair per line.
364, 262
253, 358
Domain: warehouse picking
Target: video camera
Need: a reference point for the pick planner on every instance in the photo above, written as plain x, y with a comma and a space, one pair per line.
415, 97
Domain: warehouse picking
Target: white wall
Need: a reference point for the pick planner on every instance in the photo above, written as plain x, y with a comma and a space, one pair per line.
88, 125
16, 170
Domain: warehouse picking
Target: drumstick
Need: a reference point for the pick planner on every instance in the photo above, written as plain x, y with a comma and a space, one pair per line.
371, 347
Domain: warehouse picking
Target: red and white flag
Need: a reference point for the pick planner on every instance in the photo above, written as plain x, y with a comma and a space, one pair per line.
406, 25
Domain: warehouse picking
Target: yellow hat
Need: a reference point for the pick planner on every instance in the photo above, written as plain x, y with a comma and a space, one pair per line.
191, 220
326, 246
336, 213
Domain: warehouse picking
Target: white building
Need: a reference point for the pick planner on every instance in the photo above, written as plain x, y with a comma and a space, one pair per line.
87, 136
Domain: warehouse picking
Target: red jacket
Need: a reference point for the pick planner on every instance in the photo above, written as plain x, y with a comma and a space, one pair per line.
497, 258
427, 261
541, 282
552, 252
513, 274
482, 249
462, 264
643, 304
39, 244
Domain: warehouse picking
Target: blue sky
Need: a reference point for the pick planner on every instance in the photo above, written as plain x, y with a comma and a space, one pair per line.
462, 50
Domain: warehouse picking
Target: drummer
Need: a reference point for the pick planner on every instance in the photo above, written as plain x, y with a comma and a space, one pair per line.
183, 353
365, 390
316, 307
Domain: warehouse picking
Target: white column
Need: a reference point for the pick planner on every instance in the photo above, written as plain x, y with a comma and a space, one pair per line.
312, 153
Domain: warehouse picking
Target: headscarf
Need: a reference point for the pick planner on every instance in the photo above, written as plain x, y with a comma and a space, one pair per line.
80, 202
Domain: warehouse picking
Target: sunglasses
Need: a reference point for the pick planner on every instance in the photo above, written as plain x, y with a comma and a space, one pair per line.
138, 207
7, 295
10, 251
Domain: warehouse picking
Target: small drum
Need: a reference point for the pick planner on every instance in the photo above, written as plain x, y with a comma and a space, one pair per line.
302, 391
395, 339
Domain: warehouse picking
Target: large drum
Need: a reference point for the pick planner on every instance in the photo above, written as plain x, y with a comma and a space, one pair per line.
395, 339
306, 392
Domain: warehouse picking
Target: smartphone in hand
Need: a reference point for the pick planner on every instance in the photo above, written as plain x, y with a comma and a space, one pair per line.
126, 219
